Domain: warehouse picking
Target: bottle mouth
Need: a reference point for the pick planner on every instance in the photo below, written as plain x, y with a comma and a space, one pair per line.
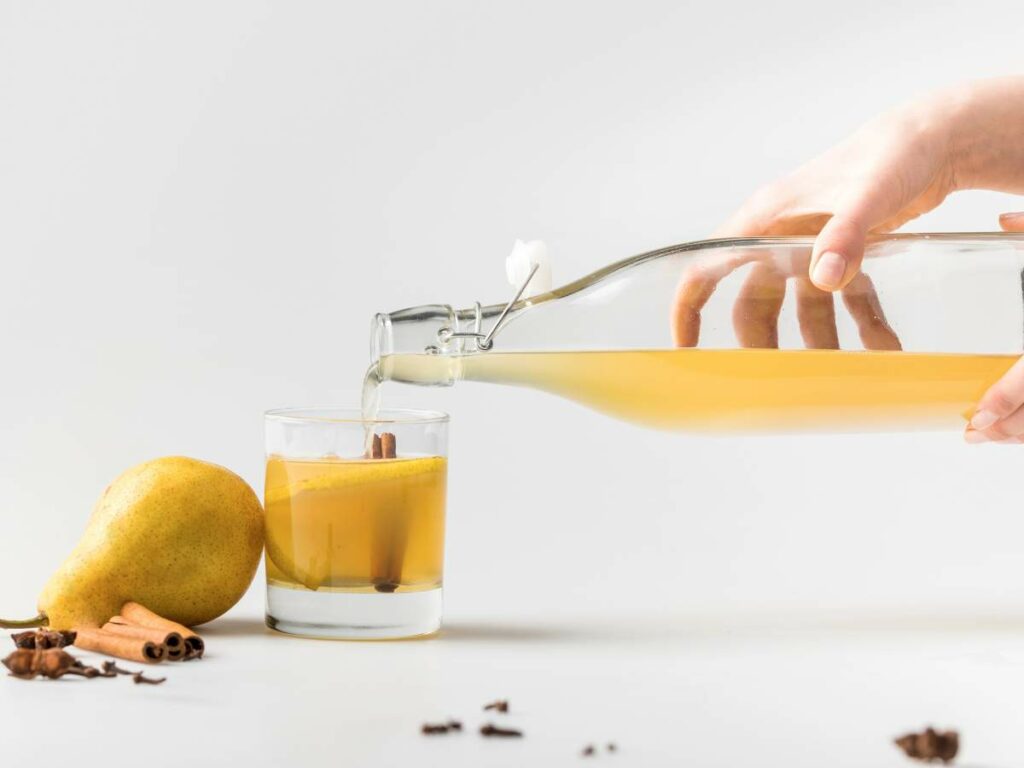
410, 331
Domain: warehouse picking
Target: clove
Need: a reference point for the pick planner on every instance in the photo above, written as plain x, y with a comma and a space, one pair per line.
104, 672
138, 677
501, 705
435, 728
930, 745
110, 669
27, 663
493, 730
78, 668
611, 747
588, 751
43, 638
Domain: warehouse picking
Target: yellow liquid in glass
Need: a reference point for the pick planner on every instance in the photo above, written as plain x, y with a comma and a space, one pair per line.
743, 390
355, 525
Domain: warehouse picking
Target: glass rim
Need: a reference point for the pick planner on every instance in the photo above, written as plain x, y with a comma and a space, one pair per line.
338, 415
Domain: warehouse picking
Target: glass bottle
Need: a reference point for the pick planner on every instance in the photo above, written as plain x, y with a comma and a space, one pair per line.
730, 335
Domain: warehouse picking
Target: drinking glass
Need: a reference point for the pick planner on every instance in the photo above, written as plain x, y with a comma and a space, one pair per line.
355, 522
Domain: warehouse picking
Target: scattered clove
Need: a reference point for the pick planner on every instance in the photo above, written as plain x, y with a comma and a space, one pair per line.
138, 677
53, 663
588, 751
110, 669
611, 747
78, 668
501, 705
27, 663
103, 671
434, 728
930, 745
493, 730
43, 638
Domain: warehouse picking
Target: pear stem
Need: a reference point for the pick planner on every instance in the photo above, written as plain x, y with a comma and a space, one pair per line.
38, 621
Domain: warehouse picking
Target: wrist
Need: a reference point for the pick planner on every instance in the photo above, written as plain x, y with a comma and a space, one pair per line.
961, 113
984, 124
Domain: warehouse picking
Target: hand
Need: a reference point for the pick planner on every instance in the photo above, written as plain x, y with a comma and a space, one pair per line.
1000, 413
894, 169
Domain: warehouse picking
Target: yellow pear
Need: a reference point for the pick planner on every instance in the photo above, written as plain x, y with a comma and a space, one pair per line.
180, 536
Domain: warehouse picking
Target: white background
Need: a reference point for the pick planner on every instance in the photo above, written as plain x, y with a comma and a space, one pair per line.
202, 205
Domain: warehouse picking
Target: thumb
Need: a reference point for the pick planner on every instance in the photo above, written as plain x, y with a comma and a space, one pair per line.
1012, 222
838, 252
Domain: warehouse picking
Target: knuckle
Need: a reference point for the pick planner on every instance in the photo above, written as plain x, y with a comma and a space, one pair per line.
1000, 402
997, 434
764, 198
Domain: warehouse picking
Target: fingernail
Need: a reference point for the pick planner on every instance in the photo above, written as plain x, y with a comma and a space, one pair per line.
974, 437
983, 419
829, 271
1012, 222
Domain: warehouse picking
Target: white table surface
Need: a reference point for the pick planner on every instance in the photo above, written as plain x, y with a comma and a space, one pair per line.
668, 690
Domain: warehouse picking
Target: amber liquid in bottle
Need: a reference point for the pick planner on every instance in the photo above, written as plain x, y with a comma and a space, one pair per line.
736, 390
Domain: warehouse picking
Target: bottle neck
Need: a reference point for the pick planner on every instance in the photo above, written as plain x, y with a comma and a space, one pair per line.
433, 329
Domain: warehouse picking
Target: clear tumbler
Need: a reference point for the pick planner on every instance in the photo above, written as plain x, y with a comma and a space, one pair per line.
355, 522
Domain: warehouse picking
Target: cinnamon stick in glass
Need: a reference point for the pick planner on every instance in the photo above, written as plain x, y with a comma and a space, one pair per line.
388, 446
376, 448
390, 535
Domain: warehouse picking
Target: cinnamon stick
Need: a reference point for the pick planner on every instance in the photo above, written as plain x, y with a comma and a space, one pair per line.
389, 535
172, 641
122, 646
140, 615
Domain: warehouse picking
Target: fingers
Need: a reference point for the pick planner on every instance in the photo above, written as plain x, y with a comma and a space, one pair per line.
1012, 222
816, 312
862, 303
695, 288
1008, 430
838, 252
999, 415
755, 315
700, 280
